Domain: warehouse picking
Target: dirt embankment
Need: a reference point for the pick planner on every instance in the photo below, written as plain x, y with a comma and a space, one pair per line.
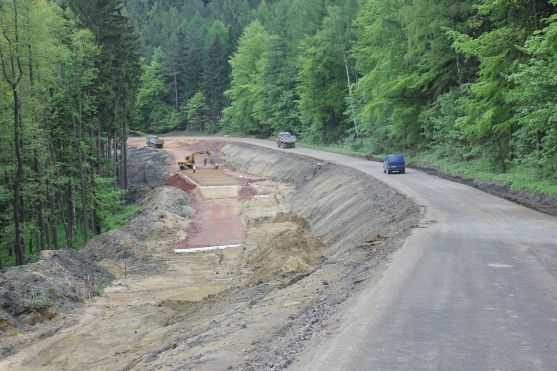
313, 232
307, 249
35, 293
148, 168
342, 205
63, 280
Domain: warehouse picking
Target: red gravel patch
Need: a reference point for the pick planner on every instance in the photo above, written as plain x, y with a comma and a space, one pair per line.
247, 192
216, 223
181, 183
250, 191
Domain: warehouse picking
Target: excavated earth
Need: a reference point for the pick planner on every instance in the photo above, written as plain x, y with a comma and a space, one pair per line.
311, 232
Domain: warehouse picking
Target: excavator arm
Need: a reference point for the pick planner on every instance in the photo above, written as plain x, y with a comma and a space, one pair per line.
189, 161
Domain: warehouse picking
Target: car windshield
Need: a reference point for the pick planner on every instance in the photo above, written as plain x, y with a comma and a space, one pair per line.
396, 158
285, 134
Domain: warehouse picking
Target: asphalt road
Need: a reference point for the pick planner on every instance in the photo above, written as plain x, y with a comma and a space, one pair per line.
473, 288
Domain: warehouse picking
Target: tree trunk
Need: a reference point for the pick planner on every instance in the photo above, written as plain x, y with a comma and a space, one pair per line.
457, 59
13, 81
535, 14
66, 221
53, 221
176, 87
83, 185
356, 130
20, 260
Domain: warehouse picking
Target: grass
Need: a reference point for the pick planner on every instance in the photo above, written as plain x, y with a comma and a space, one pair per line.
121, 218
101, 286
521, 178
346, 148
41, 299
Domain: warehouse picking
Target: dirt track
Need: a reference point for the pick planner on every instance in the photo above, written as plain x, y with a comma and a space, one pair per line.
307, 242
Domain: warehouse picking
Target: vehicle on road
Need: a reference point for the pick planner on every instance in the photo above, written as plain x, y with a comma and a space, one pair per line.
286, 140
394, 163
154, 141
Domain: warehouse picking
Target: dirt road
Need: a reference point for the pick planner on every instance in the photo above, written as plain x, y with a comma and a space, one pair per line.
475, 287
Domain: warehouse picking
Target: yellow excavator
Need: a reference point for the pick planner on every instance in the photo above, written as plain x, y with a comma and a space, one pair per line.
189, 161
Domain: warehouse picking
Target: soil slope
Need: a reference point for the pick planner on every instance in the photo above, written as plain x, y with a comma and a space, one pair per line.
313, 233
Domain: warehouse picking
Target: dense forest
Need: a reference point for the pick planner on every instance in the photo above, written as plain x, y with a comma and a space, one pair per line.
463, 79
69, 75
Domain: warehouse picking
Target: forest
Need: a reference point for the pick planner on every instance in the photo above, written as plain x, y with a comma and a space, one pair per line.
467, 79
474, 81
70, 71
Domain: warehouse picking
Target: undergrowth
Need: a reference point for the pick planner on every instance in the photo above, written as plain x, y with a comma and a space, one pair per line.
110, 222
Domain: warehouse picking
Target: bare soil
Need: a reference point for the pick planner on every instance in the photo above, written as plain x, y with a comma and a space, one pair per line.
308, 232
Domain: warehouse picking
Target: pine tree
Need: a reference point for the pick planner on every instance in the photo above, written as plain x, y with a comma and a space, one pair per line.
215, 68
197, 112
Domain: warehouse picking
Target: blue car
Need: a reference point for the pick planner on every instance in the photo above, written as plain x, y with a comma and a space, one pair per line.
394, 163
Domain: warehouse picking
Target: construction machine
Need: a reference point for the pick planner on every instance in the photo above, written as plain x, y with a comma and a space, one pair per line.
189, 161
154, 141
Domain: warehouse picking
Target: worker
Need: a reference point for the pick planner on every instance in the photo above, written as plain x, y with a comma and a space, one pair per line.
205, 162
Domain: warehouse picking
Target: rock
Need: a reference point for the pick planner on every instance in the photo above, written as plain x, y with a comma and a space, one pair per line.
38, 316
32, 318
7, 325
48, 313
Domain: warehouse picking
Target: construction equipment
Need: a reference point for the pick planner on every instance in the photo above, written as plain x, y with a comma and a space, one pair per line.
154, 141
189, 161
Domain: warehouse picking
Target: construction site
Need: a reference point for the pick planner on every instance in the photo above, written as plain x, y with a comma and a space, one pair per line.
235, 261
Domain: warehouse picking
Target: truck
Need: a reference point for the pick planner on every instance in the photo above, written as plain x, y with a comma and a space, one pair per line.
286, 140
154, 141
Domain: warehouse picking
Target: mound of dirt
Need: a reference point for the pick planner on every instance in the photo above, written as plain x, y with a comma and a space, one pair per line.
59, 281
181, 183
247, 192
115, 245
165, 212
279, 248
147, 169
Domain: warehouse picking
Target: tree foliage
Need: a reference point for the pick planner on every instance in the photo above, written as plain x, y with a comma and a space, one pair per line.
67, 90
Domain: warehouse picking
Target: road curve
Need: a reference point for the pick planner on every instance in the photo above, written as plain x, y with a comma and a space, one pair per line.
474, 288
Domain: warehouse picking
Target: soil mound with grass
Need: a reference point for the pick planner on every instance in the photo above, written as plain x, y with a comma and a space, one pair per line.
59, 281
165, 211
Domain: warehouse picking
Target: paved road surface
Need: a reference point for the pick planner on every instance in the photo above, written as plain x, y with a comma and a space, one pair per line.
475, 288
